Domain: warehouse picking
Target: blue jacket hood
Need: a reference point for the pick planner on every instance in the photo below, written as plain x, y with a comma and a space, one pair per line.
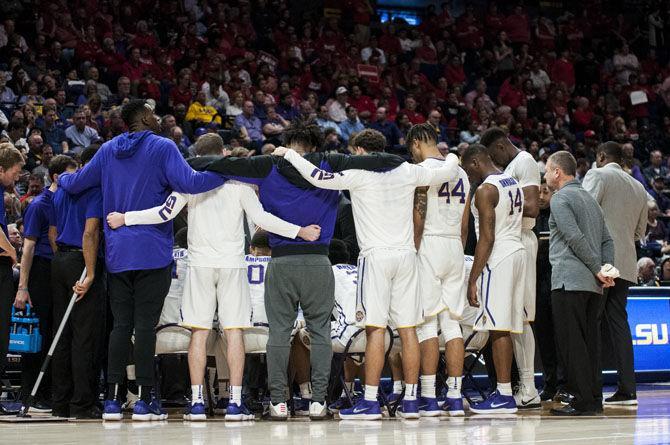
126, 145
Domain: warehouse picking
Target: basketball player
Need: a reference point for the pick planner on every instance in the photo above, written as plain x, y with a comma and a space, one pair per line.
387, 288
440, 224
521, 166
498, 267
216, 271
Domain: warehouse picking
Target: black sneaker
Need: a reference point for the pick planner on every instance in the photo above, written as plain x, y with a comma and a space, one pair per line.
547, 394
40, 407
92, 413
621, 399
57, 412
563, 397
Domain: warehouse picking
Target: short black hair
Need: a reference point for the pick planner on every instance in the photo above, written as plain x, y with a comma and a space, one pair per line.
491, 136
260, 240
421, 132
473, 151
88, 153
612, 150
303, 133
59, 164
370, 140
181, 238
338, 252
133, 110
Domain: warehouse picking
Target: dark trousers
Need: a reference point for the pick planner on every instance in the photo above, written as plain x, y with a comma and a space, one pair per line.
39, 287
73, 368
7, 294
136, 298
576, 324
554, 377
614, 317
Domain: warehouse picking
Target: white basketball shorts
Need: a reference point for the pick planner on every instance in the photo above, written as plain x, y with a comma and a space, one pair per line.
441, 275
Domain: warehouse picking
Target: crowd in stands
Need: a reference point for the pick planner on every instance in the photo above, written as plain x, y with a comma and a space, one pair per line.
554, 79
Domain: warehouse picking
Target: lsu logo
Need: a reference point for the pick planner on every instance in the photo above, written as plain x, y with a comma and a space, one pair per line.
651, 334
322, 175
167, 208
359, 316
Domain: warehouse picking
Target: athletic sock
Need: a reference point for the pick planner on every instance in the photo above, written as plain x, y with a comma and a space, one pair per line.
505, 389
197, 395
306, 390
144, 393
454, 387
236, 395
371, 393
524, 355
410, 391
113, 392
428, 386
397, 386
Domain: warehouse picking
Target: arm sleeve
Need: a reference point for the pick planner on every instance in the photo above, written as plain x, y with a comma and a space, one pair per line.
159, 214
594, 186
641, 228
567, 228
321, 178
607, 246
182, 178
84, 179
253, 170
375, 162
267, 221
436, 176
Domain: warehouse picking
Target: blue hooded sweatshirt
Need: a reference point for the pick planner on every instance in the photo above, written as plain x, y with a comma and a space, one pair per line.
137, 171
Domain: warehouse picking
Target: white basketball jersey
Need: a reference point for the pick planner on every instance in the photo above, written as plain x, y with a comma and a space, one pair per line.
172, 304
446, 203
256, 271
525, 170
344, 311
508, 213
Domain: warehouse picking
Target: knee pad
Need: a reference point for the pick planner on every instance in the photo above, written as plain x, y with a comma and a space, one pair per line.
427, 330
451, 329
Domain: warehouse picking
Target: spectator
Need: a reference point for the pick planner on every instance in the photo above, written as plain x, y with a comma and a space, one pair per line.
364, 104
43, 168
478, 95
79, 135
665, 271
389, 129
52, 131
102, 89
324, 121
181, 94
411, 112
35, 187
286, 109
435, 121
625, 64
351, 125
563, 72
122, 91
583, 167
34, 158
646, 273
656, 167
250, 124
657, 192
471, 135
201, 113
177, 136
337, 107
274, 125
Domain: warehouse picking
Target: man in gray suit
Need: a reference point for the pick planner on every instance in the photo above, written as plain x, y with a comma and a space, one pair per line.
624, 204
579, 245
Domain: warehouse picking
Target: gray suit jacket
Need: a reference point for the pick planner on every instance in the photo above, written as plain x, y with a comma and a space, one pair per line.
579, 243
624, 203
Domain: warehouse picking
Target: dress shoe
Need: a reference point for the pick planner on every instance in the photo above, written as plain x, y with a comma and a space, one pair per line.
570, 411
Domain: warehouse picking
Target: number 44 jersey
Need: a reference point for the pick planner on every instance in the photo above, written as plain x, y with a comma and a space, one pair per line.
509, 215
446, 203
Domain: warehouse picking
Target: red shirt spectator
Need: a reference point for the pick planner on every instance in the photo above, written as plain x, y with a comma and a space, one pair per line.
134, 68
181, 94
88, 47
410, 110
563, 71
454, 73
494, 21
517, 27
389, 43
511, 94
469, 35
364, 104
581, 118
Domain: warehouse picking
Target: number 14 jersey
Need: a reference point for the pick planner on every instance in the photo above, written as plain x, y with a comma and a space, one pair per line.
509, 215
446, 203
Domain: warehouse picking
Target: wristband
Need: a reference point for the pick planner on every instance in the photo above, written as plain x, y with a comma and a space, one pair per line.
23, 289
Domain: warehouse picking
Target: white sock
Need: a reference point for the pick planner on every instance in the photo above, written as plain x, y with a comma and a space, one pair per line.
410, 391
524, 355
428, 386
371, 393
454, 387
235, 395
505, 389
196, 394
397, 386
306, 390
350, 388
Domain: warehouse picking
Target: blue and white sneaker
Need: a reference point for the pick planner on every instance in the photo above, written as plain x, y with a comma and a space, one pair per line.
301, 407
238, 413
340, 404
363, 410
409, 409
221, 406
392, 398
112, 410
145, 412
428, 407
496, 403
195, 412
453, 407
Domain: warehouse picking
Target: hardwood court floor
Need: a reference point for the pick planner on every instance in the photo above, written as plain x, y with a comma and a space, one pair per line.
649, 424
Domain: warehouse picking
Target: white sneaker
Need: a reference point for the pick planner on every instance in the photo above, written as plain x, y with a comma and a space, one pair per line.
527, 397
318, 411
278, 411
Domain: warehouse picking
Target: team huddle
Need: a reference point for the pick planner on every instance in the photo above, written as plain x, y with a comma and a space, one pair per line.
411, 276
